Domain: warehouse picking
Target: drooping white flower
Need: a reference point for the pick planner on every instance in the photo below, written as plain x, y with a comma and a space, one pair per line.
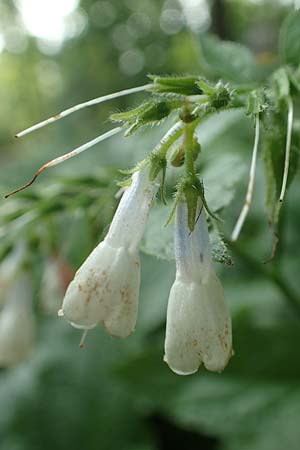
106, 287
17, 324
198, 321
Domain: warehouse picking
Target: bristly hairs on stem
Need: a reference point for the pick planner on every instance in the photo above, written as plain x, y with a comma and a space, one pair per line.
75, 108
287, 148
244, 212
66, 156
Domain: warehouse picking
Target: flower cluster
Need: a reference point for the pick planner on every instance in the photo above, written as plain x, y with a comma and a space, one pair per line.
106, 287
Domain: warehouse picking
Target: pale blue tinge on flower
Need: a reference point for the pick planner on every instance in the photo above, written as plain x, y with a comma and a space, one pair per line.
17, 322
198, 321
106, 287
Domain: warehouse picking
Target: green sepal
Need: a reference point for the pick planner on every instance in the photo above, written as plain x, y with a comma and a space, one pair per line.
124, 183
219, 96
256, 102
178, 194
157, 163
208, 210
191, 194
153, 111
206, 87
139, 166
186, 85
177, 156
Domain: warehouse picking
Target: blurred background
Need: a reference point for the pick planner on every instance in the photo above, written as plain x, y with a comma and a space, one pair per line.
120, 395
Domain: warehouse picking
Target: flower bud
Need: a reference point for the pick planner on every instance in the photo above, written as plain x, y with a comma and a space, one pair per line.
106, 287
198, 322
17, 324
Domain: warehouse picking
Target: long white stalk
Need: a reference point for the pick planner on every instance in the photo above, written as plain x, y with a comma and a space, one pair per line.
287, 148
92, 102
66, 156
244, 212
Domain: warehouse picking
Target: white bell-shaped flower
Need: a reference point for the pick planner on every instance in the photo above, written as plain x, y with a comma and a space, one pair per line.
198, 321
17, 322
106, 287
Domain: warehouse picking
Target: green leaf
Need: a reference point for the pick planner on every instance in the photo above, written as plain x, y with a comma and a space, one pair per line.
289, 39
228, 60
281, 84
158, 238
220, 180
218, 247
274, 156
256, 400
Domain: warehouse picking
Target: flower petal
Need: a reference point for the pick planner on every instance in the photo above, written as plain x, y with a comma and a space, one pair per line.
198, 326
106, 284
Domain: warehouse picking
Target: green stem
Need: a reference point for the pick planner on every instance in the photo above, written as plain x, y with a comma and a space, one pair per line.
169, 138
189, 157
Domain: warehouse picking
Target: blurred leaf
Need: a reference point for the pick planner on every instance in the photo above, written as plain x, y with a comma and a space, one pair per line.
274, 156
289, 39
158, 238
281, 84
249, 403
220, 179
228, 60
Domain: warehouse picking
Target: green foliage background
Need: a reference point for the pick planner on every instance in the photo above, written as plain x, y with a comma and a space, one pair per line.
120, 394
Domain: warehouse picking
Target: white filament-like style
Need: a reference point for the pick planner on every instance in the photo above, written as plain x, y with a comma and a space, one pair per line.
75, 108
198, 326
242, 217
106, 287
287, 148
60, 159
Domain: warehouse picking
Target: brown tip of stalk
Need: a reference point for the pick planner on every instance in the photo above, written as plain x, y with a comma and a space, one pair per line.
27, 184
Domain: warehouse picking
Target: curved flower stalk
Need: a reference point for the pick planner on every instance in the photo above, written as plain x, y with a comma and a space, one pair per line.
198, 321
106, 287
17, 323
